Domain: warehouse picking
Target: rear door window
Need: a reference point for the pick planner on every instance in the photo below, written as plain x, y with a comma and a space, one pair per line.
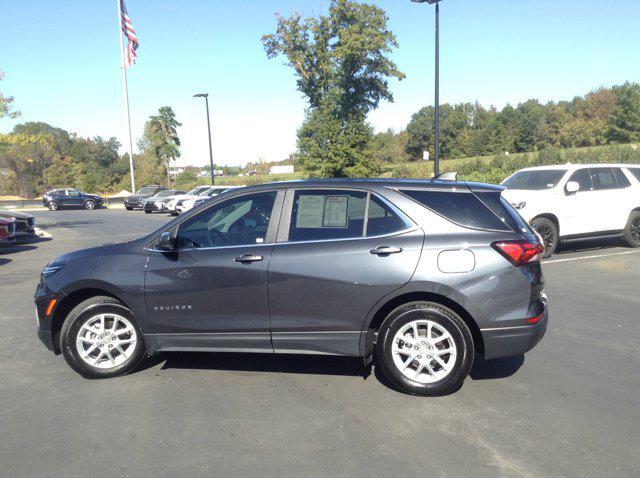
604, 178
340, 214
463, 208
327, 214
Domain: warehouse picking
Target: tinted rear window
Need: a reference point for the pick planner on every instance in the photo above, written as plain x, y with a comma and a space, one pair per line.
463, 208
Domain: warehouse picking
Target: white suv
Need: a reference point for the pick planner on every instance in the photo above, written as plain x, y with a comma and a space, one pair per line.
578, 200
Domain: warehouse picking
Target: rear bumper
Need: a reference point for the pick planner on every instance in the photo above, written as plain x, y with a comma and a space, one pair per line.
510, 341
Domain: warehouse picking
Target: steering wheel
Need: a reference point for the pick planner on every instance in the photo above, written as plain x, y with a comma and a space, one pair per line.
263, 214
215, 238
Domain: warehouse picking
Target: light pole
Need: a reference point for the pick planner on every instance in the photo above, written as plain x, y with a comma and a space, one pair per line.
206, 100
436, 159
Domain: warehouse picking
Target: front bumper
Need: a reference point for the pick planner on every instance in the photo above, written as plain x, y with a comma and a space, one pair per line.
132, 205
153, 207
42, 299
511, 341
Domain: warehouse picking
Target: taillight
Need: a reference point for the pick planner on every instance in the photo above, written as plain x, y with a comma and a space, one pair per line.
519, 252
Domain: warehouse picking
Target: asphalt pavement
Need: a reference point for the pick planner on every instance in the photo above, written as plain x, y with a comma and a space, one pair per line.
570, 407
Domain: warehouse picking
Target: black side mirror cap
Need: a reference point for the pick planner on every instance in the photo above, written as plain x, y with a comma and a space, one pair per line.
166, 242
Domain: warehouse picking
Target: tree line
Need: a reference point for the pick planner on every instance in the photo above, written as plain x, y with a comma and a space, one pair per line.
36, 156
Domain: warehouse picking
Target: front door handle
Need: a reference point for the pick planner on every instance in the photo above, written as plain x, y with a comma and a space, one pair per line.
247, 258
385, 250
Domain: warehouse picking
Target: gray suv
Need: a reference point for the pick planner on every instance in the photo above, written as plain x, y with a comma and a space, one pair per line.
420, 275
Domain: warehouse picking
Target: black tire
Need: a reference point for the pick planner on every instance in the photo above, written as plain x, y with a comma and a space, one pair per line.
146, 211
74, 322
53, 206
90, 204
128, 208
549, 233
631, 232
444, 318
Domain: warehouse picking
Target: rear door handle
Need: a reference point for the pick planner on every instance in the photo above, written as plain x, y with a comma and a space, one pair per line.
247, 258
385, 250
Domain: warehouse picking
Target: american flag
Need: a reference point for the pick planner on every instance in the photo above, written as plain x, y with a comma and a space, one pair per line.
132, 41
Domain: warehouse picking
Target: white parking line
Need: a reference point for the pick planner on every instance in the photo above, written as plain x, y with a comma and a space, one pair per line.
591, 257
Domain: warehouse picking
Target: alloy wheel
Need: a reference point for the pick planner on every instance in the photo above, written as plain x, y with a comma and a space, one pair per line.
106, 340
424, 351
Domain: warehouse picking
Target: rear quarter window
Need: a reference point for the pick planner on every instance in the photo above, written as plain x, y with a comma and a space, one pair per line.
463, 208
635, 172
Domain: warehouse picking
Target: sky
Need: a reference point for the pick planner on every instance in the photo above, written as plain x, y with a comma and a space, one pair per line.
62, 64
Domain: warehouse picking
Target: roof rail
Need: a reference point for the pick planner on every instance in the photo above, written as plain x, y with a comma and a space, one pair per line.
447, 176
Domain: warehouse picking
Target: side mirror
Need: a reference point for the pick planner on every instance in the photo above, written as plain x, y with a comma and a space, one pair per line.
572, 187
166, 242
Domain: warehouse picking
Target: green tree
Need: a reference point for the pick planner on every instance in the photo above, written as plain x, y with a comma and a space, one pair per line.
160, 138
342, 67
624, 124
6, 104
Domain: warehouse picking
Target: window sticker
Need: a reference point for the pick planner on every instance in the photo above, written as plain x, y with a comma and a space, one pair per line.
310, 211
335, 211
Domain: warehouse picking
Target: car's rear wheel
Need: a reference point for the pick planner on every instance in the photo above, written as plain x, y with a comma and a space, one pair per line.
424, 348
53, 206
128, 208
89, 204
549, 234
632, 230
100, 338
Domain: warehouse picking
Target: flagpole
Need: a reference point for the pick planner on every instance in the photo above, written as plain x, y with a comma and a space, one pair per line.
126, 95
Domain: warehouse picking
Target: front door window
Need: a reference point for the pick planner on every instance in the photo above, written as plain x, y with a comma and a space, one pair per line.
236, 222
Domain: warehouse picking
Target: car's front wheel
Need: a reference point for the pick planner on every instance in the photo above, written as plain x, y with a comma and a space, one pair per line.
549, 234
424, 348
53, 206
89, 204
632, 230
100, 338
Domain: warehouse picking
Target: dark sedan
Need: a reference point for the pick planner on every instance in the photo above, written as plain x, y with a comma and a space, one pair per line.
136, 200
25, 223
57, 198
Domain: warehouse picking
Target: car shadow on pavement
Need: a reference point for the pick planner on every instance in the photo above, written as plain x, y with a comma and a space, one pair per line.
281, 363
23, 245
4, 261
69, 224
496, 368
13, 249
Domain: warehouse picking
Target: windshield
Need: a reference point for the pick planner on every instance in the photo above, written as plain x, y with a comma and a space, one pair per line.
165, 193
146, 190
535, 180
195, 191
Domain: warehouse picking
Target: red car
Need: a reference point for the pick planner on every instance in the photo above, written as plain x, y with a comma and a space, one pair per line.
7, 230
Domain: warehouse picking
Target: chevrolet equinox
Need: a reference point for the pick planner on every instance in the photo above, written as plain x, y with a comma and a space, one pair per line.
422, 275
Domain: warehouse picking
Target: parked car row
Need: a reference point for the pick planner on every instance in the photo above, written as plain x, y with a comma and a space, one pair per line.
155, 198
577, 201
15, 225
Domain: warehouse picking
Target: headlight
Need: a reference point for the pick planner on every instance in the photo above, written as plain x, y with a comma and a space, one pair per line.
519, 205
53, 267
